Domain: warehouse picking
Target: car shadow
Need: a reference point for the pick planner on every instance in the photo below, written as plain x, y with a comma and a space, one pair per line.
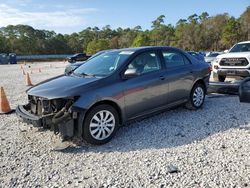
175, 127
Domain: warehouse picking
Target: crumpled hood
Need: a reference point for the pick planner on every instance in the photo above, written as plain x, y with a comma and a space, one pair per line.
61, 87
235, 54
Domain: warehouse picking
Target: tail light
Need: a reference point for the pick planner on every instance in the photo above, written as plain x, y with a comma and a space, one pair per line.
210, 69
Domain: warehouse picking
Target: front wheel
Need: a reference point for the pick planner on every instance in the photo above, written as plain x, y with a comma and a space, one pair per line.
100, 124
197, 97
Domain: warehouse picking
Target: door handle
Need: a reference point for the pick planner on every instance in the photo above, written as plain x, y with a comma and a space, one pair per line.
162, 77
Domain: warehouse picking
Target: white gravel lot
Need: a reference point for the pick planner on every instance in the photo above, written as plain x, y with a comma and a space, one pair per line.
179, 148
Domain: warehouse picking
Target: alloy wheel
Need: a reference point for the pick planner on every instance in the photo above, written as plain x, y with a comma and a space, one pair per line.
102, 125
198, 96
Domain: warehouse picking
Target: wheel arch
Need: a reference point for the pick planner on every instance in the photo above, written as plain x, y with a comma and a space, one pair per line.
111, 103
200, 81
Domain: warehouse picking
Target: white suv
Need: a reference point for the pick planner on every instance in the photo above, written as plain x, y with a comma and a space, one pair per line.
236, 62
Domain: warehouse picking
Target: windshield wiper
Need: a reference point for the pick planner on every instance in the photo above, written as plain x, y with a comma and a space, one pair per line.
84, 74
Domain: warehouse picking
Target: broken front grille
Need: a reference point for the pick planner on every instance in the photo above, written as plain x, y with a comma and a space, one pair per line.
234, 62
40, 106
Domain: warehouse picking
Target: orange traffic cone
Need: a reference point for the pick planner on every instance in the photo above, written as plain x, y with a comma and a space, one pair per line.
4, 103
24, 72
28, 81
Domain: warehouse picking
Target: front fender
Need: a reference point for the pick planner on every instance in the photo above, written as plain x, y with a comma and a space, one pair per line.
86, 101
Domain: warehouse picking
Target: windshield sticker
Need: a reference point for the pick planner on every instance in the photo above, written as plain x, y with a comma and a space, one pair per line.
126, 52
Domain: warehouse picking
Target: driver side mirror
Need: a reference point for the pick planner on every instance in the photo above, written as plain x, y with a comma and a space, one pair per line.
129, 73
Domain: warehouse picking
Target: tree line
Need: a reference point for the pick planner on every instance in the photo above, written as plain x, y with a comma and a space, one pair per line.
196, 33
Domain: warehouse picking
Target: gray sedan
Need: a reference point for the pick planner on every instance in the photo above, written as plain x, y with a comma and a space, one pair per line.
114, 88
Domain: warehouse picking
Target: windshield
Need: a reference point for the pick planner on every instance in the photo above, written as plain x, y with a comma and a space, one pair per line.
103, 64
241, 48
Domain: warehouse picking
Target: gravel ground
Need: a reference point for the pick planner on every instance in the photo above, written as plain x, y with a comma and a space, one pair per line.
179, 148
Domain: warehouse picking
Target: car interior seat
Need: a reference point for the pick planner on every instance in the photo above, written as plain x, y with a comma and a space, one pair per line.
151, 63
176, 60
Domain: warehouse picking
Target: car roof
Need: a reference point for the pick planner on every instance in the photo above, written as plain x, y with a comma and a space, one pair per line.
135, 49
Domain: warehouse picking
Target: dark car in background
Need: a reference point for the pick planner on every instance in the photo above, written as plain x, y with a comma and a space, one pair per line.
72, 66
77, 57
114, 88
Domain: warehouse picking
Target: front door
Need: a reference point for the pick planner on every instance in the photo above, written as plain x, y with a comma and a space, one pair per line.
147, 90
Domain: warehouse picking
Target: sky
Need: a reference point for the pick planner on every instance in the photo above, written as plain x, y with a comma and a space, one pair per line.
68, 16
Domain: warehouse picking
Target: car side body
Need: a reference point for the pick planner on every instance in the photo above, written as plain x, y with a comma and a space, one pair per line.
65, 101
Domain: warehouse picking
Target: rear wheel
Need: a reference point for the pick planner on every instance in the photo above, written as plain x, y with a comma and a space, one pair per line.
221, 78
100, 124
197, 97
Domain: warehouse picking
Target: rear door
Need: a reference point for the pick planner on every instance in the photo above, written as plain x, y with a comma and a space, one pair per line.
179, 75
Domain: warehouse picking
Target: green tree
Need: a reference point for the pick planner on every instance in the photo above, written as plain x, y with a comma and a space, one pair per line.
161, 34
156, 24
97, 45
193, 18
126, 38
74, 43
204, 16
114, 42
245, 24
231, 33
4, 45
141, 40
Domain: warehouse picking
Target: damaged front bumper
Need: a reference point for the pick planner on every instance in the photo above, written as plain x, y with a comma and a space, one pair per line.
22, 111
61, 122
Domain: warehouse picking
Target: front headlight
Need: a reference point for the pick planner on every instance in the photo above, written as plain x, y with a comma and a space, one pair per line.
215, 61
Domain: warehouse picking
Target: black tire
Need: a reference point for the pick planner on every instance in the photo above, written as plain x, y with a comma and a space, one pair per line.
192, 103
88, 136
221, 78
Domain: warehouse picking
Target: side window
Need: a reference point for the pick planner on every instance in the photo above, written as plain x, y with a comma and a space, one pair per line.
145, 62
186, 60
173, 59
